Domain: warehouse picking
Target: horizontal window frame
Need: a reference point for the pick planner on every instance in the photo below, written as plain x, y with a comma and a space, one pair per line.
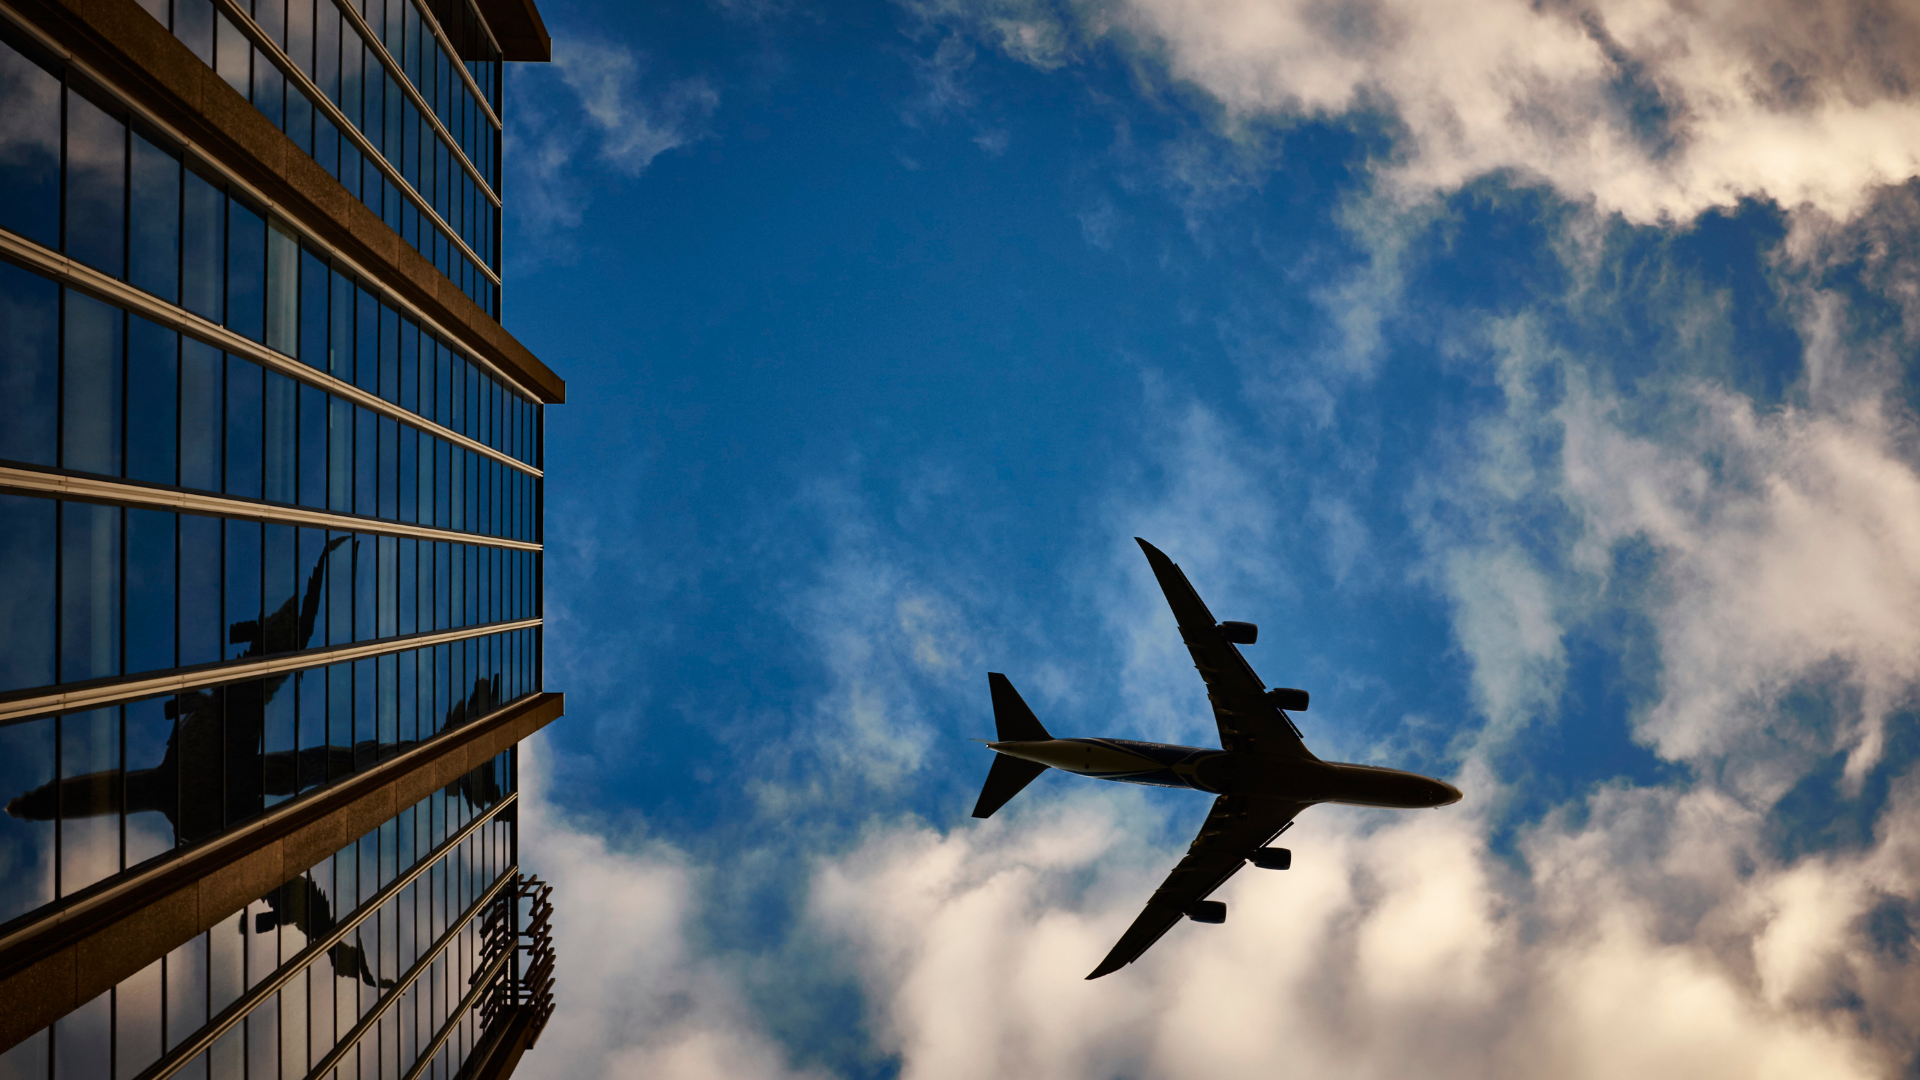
181, 1056
98, 694
64, 270
207, 162
76, 487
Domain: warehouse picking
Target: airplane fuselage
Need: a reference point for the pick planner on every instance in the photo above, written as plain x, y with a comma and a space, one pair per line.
1221, 772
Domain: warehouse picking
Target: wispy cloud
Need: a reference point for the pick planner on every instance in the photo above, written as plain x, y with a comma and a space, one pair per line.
593, 107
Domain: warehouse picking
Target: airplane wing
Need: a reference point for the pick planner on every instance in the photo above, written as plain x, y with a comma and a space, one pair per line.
1249, 723
1237, 825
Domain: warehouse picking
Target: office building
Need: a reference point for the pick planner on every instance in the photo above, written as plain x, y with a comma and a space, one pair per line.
270, 544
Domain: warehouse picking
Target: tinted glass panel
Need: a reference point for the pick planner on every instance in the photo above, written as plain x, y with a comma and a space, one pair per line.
26, 592
89, 591
150, 590
91, 395
246, 271
203, 248
201, 418
96, 186
153, 263
29, 366
153, 393
30, 162
244, 426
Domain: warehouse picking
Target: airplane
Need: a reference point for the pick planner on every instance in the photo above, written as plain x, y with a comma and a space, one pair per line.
1264, 775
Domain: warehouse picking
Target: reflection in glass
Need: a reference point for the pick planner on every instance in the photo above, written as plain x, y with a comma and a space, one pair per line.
199, 603
245, 402
153, 263
201, 379
29, 358
30, 168
26, 591
90, 778
203, 249
85, 1040
96, 185
91, 388
89, 591
153, 389
246, 271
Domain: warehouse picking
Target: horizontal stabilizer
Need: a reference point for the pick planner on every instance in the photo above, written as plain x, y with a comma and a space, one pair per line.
1016, 722
1004, 781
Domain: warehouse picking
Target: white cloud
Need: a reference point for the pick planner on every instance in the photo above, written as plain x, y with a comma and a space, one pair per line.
635, 126
636, 994
1394, 941
1652, 108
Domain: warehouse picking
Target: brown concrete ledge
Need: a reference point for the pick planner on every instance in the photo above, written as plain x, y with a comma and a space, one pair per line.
76, 950
128, 46
518, 27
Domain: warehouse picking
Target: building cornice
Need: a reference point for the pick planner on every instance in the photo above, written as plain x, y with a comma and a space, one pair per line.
127, 47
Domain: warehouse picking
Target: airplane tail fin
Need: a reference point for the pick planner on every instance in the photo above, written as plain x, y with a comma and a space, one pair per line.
1004, 781
1016, 722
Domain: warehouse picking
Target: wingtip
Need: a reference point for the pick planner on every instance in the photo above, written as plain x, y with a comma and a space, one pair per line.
1104, 970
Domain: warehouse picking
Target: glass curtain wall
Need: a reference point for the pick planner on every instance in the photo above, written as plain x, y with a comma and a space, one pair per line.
368, 964
444, 157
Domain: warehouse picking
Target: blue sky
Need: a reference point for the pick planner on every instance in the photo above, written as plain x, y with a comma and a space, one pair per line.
1538, 379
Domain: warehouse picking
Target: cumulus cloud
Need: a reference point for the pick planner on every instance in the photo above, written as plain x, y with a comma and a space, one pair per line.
1392, 941
637, 993
1653, 110
635, 126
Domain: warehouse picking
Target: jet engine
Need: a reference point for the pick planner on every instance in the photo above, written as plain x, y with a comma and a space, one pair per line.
1286, 697
1271, 858
1240, 633
1208, 911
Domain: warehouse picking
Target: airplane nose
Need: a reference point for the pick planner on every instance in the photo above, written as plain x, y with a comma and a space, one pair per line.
1445, 794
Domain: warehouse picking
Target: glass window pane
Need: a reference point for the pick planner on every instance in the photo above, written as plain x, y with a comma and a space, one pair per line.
203, 246
314, 564
366, 461
150, 590
154, 262
152, 779
26, 830
279, 476
365, 565
390, 468
83, 1041
91, 394
242, 594
153, 394
199, 598
29, 364
30, 131
193, 24
340, 455
246, 727
89, 803
366, 373
340, 590
283, 289
340, 331
246, 271
232, 54
96, 185
313, 311
89, 591
311, 687
279, 589
136, 1022
313, 446
202, 381
245, 403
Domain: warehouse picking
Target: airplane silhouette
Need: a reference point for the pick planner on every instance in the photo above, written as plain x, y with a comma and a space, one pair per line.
302, 904
1264, 774
213, 762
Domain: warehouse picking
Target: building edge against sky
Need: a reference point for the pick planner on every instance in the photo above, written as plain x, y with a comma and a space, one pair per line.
270, 543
